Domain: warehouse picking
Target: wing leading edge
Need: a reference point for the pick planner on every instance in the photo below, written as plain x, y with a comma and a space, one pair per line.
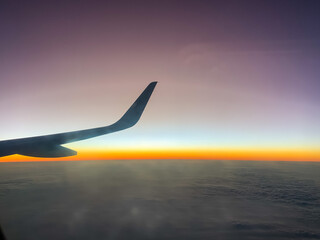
49, 145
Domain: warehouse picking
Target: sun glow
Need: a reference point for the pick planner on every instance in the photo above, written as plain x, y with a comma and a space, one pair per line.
182, 153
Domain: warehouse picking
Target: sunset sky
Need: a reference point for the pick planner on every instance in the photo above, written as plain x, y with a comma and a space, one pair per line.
236, 79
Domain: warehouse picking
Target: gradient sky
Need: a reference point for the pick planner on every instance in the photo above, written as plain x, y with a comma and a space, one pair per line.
233, 75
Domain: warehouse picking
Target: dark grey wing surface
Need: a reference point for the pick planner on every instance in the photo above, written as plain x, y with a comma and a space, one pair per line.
49, 145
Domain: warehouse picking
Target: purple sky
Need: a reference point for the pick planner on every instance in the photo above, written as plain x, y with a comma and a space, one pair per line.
230, 73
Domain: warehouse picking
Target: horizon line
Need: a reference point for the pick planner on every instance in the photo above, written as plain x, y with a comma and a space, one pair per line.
239, 154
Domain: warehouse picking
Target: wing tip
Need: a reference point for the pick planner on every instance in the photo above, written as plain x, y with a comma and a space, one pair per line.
132, 116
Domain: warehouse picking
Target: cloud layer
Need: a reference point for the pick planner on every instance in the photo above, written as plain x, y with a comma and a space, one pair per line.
160, 200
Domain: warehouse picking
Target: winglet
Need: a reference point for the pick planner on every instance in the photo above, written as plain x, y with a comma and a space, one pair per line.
132, 116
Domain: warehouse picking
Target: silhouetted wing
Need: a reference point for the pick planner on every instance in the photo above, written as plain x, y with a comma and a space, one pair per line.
49, 145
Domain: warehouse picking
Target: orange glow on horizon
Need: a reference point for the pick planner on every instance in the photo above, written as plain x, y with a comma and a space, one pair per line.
187, 154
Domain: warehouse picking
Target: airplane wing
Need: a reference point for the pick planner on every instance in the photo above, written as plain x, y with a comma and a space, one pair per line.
49, 145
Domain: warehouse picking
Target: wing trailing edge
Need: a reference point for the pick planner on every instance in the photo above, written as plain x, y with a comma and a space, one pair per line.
47, 151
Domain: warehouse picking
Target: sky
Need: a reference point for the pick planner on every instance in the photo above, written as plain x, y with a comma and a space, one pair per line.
236, 79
